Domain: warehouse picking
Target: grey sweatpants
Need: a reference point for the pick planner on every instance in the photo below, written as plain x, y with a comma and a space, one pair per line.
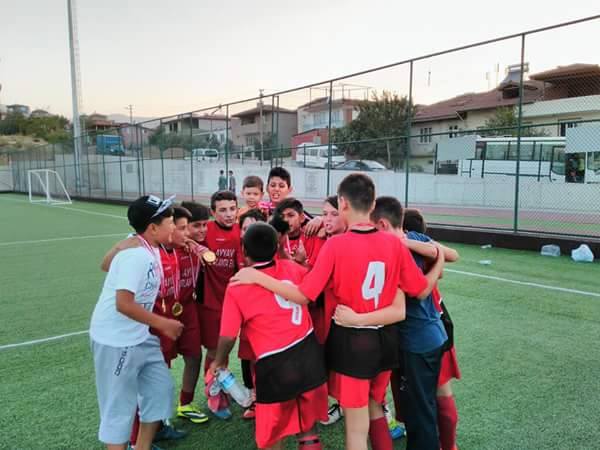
128, 377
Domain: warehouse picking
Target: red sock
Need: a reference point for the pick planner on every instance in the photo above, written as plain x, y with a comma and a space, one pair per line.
185, 398
309, 443
135, 428
447, 420
379, 434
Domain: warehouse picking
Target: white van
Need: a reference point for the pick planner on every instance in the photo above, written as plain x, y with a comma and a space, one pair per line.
205, 154
311, 155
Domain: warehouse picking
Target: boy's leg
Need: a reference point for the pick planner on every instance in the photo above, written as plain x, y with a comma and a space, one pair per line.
447, 417
357, 428
155, 387
191, 372
379, 433
116, 386
418, 397
309, 440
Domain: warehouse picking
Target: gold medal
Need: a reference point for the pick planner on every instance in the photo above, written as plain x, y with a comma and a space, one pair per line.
164, 308
209, 257
194, 296
177, 309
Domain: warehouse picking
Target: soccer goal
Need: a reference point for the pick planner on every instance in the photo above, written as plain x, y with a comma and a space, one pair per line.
46, 186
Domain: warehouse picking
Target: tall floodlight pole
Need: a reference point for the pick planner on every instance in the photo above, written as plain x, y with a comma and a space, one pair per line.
75, 89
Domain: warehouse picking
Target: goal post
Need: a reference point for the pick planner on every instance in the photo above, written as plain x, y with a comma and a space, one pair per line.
46, 186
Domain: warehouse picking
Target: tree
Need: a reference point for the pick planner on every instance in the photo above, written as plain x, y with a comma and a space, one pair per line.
505, 123
385, 115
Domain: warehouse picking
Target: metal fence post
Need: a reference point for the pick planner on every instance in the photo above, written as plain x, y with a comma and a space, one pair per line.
89, 181
141, 141
329, 143
227, 143
191, 158
519, 133
408, 134
121, 175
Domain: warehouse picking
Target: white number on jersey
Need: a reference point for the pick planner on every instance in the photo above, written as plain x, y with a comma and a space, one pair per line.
374, 280
286, 304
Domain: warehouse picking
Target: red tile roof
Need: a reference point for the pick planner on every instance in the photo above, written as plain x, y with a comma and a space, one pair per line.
565, 72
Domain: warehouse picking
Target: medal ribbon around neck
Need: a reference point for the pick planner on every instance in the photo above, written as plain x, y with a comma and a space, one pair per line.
156, 258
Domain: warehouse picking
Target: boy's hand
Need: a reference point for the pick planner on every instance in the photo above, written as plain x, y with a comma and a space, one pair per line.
196, 249
215, 367
346, 317
313, 226
171, 328
247, 275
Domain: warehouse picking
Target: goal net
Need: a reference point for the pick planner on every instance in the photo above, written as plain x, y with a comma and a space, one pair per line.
46, 186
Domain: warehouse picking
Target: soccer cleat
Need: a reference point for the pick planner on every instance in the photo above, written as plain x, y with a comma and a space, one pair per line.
154, 447
191, 413
397, 431
223, 414
334, 413
169, 433
250, 413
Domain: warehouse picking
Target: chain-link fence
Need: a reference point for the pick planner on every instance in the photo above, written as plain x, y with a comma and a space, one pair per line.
503, 134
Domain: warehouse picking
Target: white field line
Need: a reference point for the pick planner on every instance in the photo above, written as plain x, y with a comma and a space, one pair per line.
83, 211
524, 283
460, 272
71, 238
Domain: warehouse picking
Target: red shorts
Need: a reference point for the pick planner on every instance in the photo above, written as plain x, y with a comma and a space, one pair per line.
449, 368
189, 343
210, 326
275, 421
353, 392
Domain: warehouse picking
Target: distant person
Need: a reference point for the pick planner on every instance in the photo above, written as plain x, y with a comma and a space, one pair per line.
231, 181
222, 181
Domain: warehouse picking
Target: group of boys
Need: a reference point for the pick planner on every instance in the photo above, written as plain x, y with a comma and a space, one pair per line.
315, 315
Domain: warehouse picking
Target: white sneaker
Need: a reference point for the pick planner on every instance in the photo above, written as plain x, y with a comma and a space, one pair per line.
334, 413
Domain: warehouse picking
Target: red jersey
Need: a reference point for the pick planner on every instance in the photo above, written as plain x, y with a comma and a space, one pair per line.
166, 295
365, 269
188, 265
225, 242
270, 323
312, 245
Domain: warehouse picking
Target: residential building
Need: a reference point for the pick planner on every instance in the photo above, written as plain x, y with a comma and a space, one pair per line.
97, 123
18, 109
197, 124
40, 113
570, 94
264, 120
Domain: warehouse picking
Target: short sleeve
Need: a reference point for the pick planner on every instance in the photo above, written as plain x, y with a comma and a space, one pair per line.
412, 281
315, 281
231, 319
131, 267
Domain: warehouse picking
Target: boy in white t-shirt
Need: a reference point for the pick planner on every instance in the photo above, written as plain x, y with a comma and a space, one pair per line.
130, 369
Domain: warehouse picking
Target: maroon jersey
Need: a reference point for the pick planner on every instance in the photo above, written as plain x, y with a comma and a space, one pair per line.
225, 242
166, 295
189, 265
365, 269
270, 323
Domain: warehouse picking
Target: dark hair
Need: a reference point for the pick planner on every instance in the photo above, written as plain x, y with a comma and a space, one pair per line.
388, 208
221, 195
253, 181
255, 214
231, 172
359, 191
221, 172
333, 201
140, 214
280, 225
260, 242
179, 212
414, 221
198, 211
289, 203
280, 172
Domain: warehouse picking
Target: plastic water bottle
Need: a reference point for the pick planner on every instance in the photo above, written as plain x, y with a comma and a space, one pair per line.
550, 250
229, 384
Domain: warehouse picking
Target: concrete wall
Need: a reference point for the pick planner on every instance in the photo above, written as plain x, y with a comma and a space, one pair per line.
451, 190
6, 179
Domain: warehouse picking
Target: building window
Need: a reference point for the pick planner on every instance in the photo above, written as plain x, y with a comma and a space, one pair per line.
248, 120
425, 135
563, 127
453, 131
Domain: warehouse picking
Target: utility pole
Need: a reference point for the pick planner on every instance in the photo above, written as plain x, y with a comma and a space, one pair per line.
75, 89
130, 108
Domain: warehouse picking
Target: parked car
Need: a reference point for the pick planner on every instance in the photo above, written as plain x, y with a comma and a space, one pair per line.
205, 154
365, 165
311, 155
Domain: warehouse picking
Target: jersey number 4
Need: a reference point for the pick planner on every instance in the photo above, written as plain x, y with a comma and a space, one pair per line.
286, 304
373, 283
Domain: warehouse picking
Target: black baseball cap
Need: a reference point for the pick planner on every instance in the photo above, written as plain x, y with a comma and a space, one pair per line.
147, 209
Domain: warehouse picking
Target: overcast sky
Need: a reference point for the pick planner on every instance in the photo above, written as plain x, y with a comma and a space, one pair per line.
166, 57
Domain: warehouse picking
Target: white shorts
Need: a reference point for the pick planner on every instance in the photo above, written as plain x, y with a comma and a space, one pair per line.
128, 377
